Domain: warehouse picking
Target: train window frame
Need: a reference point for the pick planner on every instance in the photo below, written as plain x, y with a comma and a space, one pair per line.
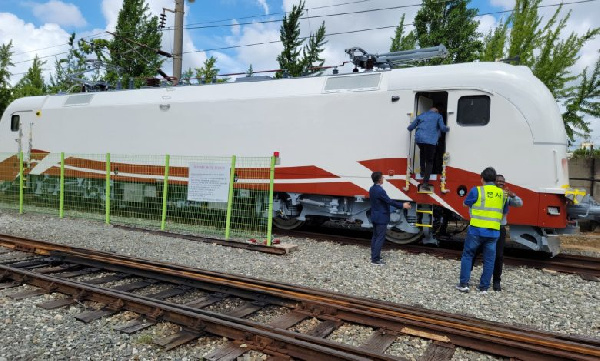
15, 122
482, 119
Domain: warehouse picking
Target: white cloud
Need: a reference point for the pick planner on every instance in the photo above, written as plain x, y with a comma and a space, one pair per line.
504, 4
486, 23
58, 12
47, 41
264, 5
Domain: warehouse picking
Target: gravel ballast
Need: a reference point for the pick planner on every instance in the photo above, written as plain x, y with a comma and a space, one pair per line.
547, 301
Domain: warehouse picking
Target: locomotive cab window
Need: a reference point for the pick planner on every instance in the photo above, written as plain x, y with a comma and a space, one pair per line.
473, 110
15, 121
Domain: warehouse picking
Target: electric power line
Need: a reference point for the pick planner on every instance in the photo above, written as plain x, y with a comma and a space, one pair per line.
317, 16
368, 29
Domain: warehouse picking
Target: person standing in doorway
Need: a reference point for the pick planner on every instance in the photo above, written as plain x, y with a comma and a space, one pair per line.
380, 215
486, 204
429, 126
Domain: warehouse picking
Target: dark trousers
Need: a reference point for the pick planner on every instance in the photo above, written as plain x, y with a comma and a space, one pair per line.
377, 241
427, 155
499, 261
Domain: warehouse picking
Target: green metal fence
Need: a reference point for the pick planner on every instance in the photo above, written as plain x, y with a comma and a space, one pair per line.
220, 196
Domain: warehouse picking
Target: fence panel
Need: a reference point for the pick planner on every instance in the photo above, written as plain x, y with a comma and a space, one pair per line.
193, 194
9, 181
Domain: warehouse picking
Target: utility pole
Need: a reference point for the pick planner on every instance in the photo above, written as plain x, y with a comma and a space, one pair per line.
178, 41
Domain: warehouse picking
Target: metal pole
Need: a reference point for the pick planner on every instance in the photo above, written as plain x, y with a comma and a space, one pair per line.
270, 214
592, 172
163, 221
230, 197
21, 183
61, 208
107, 192
178, 39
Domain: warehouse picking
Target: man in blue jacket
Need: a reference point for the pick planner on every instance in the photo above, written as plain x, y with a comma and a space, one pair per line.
380, 215
429, 127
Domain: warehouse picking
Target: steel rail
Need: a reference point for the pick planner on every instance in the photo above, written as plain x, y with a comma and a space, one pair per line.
574, 264
485, 336
260, 337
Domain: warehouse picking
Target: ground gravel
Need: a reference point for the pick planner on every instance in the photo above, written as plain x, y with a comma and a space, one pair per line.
548, 301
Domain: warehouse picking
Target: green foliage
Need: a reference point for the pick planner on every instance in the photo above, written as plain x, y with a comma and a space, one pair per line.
311, 54
68, 68
586, 153
250, 71
6, 95
555, 56
582, 99
525, 32
403, 42
186, 76
208, 70
494, 43
452, 24
133, 50
290, 59
32, 83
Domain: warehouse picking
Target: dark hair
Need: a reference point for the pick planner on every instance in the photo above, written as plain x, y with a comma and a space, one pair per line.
376, 176
439, 107
489, 174
499, 175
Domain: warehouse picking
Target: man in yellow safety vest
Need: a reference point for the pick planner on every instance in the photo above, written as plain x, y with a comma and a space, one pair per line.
486, 205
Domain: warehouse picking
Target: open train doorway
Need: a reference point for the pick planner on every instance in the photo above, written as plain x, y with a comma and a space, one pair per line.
423, 102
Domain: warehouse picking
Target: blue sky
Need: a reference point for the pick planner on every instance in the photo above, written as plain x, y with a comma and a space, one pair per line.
43, 27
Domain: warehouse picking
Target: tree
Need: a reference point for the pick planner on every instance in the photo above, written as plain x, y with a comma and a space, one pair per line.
290, 59
208, 71
494, 44
250, 71
32, 83
549, 55
403, 42
133, 50
68, 69
311, 54
186, 76
6, 95
452, 24
580, 100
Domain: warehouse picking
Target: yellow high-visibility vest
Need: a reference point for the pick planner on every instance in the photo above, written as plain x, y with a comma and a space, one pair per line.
486, 212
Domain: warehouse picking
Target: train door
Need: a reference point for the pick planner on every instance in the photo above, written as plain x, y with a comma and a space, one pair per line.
21, 124
423, 102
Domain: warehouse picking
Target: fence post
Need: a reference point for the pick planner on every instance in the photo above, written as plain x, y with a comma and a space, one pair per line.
20, 182
270, 215
230, 197
61, 207
107, 192
165, 190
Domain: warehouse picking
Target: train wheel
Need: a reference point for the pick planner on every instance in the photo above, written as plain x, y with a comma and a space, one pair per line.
397, 236
287, 223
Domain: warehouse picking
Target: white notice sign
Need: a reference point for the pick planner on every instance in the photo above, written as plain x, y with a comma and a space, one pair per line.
208, 182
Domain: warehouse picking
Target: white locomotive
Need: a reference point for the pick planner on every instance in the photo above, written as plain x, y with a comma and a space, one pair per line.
332, 132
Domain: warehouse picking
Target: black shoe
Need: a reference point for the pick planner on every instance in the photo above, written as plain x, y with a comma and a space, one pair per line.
497, 287
378, 263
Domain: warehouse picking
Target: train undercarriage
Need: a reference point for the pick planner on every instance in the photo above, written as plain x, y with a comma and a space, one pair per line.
293, 210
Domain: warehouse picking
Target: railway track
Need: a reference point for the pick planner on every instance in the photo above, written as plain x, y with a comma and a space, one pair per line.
587, 267
54, 268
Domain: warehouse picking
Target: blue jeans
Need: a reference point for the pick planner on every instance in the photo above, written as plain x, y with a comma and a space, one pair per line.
377, 241
472, 243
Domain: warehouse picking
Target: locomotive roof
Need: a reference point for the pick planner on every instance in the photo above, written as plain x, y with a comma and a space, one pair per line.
516, 84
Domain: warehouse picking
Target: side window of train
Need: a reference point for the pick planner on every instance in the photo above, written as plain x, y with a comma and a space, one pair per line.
15, 121
473, 110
